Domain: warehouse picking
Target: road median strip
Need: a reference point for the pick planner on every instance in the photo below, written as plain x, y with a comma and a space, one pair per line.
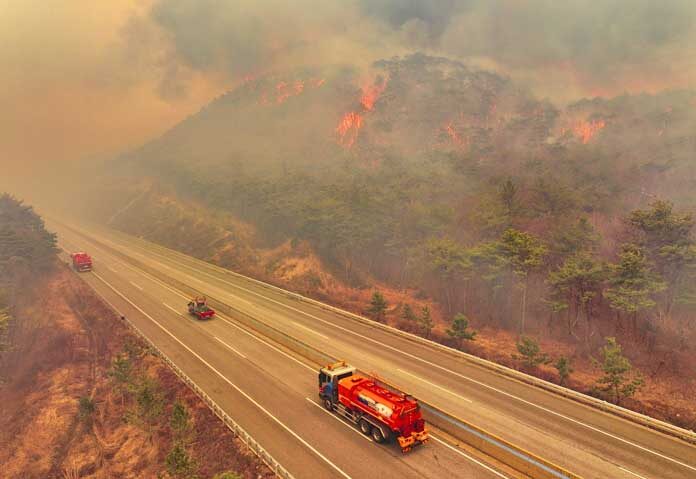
507, 453
652, 423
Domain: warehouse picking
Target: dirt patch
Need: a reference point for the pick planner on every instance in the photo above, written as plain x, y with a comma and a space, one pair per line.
64, 340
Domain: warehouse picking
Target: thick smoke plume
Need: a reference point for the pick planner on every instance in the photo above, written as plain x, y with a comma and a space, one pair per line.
87, 78
598, 48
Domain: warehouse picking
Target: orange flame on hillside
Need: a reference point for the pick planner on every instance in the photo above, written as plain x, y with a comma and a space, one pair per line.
586, 130
285, 90
454, 136
371, 94
348, 128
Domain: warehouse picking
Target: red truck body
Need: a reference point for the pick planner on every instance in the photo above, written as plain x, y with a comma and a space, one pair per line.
376, 409
81, 261
199, 308
399, 412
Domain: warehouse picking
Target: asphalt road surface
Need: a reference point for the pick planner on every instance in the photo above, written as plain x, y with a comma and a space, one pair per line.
579, 438
270, 393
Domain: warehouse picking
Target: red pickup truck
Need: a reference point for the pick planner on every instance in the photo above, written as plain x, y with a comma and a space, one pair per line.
199, 308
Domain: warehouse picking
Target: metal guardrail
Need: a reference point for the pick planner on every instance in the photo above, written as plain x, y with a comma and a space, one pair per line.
236, 429
505, 452
633, 416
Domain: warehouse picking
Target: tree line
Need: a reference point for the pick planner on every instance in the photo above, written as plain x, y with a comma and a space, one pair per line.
26, 247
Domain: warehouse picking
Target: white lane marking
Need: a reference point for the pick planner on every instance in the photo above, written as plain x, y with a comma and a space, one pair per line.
164, 285
442, 368
631, 472
111, 269
152, 278
339, 420
224, 378
459, 451
228, 346
136, 285
308, 329
177, 312
266, 343
435, 385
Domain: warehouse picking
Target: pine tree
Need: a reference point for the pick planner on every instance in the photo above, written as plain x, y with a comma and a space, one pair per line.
378, 307
565, 368
425, 321
574, 286
632, 283
180, 464
408, 315
180, 421
618, 381
515, 257
459, 330
122, 374
667, 240
451, 262
530, 353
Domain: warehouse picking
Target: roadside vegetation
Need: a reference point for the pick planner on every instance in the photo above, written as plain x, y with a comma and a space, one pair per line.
81, 395
462, 194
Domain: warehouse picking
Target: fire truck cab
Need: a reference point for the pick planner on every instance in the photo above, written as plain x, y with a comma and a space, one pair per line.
329, 376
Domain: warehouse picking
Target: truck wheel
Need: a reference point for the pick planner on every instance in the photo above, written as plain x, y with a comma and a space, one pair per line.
328, 404
365, 427
377, 435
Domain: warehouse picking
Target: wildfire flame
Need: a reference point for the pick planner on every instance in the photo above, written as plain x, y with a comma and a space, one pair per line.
348, 128
371, 94
454, 136
285, 90
586, 130
351, 123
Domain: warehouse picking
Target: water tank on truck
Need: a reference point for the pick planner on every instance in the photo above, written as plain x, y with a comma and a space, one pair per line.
379, 411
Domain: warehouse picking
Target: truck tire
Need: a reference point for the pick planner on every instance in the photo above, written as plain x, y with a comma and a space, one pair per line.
328, 404
365, 427
378, 435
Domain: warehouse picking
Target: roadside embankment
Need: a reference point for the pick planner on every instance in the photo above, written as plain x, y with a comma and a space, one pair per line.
82, 396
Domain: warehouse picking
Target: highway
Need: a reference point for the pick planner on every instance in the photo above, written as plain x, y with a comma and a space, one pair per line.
582, 439
267, 390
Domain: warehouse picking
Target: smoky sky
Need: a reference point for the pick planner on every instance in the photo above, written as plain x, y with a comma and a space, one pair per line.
601, 39
85, 78
594, 40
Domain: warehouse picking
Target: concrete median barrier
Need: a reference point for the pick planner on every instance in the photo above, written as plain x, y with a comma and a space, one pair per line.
501, 450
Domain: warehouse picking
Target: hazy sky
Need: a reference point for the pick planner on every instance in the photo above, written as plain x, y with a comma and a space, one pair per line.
83, 78
70, 86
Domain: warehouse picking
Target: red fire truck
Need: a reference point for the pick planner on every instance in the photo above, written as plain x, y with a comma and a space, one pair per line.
81, 261
379, 411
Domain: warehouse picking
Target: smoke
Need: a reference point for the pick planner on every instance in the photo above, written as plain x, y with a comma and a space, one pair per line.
601, 47
87, 78
243, 38
570, 49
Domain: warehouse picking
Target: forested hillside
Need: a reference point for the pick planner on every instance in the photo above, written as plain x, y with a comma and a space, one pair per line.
26, 248
500, 209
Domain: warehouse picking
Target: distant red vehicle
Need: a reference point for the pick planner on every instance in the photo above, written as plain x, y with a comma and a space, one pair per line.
199, 308
81, 261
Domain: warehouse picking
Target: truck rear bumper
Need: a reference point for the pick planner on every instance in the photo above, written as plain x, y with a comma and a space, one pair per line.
416, 438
